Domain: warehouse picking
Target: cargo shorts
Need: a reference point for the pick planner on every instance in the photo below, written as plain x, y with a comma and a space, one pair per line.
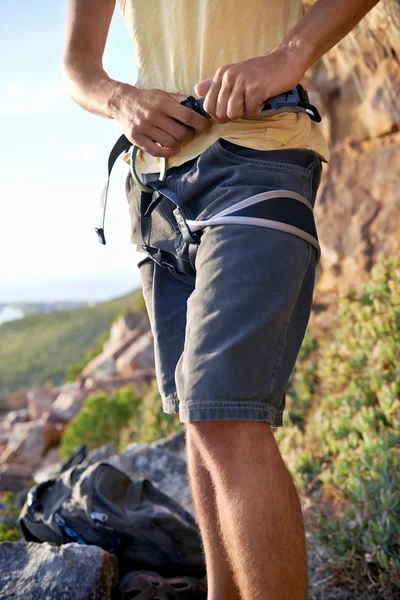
226, 344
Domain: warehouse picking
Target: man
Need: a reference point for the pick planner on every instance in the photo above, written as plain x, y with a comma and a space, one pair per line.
226, 345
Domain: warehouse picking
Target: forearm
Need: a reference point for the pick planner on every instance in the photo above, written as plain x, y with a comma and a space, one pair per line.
323, 26
91, 87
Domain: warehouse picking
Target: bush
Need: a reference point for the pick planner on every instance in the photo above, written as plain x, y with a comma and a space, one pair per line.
120, 420
100, 420
150, 423
349, 452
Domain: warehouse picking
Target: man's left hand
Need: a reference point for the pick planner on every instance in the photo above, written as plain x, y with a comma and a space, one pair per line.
239, 90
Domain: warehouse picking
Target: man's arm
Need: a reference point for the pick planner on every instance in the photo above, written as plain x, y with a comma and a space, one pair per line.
147, 117
240, 90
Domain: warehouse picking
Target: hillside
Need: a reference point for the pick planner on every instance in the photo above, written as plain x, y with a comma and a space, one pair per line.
40, 347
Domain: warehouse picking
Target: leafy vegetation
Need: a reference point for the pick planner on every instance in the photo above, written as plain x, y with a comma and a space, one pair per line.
37, 348
119, 420
344, 449
8, 510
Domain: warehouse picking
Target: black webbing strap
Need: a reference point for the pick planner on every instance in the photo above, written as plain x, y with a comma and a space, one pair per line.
121, 145
179, 266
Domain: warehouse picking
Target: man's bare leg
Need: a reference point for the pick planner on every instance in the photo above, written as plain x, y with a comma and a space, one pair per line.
220, 581
258, 508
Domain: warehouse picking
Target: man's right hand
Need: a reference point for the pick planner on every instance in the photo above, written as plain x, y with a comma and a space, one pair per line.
152, 117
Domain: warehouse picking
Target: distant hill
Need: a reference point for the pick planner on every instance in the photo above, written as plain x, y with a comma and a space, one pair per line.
43, 307
40, 347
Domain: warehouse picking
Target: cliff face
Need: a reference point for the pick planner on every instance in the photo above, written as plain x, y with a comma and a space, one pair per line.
356, 86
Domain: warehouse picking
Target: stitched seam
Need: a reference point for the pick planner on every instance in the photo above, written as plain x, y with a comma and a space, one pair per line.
238, 404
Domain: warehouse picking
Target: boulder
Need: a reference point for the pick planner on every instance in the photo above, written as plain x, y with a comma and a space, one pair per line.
15, 416
28, 443
140, 380
174, 443
124, 325
165, 469
14, 478
103, 364
139, 355
40, 401
13, 401
67, 404
358, 211
31, 571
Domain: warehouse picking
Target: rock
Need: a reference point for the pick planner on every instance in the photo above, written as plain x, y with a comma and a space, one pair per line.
124, 325
140, 380
67, 404
40, 401
104, 364
164, 469
31, 571
174, 443
28, 443
357, 211
14, 478
360, 190
139, 355
4, 435
50, 466
13, 401
15, 416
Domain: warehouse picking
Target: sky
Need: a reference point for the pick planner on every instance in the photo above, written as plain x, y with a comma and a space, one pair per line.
53, 158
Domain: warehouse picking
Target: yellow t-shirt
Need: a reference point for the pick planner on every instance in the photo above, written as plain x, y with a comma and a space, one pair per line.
181, 42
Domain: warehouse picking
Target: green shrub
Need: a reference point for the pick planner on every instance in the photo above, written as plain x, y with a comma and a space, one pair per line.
8, 534
150, 423
349, 452
120, 420
100, 420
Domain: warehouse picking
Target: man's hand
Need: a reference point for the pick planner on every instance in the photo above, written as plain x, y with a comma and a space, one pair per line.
152, 117
148, 118
239, 91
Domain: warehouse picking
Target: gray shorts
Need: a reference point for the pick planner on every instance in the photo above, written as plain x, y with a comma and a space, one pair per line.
226, 346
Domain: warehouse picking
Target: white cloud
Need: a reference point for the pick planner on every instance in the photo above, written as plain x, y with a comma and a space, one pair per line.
30, 99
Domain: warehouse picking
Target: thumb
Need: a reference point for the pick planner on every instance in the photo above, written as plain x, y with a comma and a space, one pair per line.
201, 88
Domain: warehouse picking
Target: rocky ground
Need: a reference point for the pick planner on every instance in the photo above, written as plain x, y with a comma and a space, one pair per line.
31, 571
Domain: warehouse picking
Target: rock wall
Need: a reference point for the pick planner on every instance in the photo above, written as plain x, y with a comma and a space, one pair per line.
356, 85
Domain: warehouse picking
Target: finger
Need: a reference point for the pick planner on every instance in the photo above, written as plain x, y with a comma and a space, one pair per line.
236, 104
178, 131
188, 117
149, 146
252, 105
211, 99
201, 88
161, 136
222, 101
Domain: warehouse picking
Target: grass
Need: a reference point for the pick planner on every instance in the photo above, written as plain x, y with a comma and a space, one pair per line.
40, 347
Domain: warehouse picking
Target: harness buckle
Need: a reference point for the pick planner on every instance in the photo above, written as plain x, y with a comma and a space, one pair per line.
188, 236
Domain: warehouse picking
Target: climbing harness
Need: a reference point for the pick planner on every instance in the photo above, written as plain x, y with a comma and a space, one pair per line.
282, 210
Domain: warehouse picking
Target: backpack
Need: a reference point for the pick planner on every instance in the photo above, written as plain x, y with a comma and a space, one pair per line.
101, 505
